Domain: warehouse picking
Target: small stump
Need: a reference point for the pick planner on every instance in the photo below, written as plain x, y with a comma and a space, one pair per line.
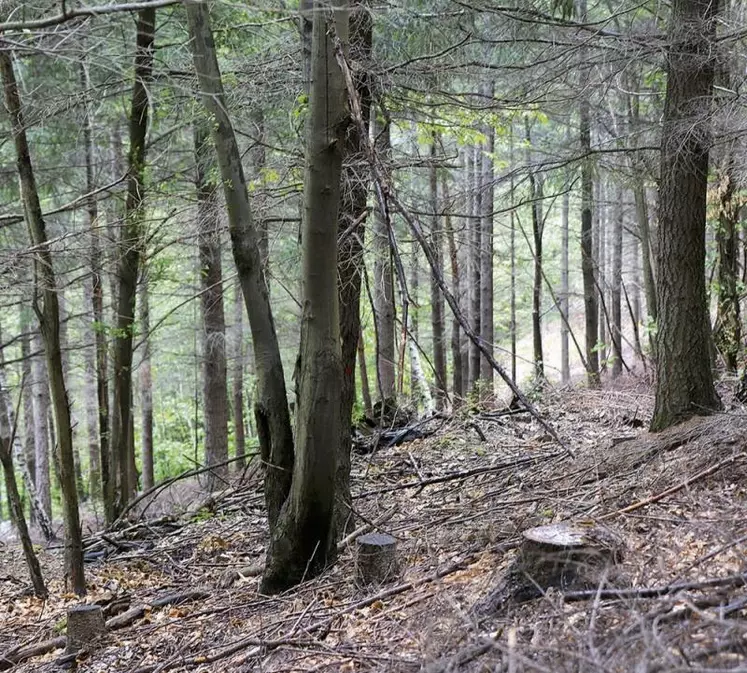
567, 556
85, 624
376, 559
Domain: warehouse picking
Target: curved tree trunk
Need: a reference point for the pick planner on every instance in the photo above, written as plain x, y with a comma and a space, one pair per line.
684, 385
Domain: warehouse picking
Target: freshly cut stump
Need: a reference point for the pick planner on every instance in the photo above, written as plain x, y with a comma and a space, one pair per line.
376, 559
567, 556
85, 624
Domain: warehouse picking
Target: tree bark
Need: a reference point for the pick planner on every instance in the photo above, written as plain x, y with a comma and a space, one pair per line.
131, 246
214, 375
456, 342
684, 385
146, 382
351, 233
41, 425
437, 300
302, 542
565, 368
271, 406
535, 200
237, 378
365, 386
487, 329
616, 283
49, 320
475, 229
383, 288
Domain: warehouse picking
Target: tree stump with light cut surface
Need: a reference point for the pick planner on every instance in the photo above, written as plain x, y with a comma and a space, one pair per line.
376, 559
567, 556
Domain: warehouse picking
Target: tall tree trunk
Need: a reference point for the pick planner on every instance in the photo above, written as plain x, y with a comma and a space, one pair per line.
146, 382
41, 425
97, 394
365, 386
131, 246
351, 233
565, 368
535, 199
512, 255
456, 345
616, 284
383, 287
29, 421
302, 541
237, 377
49, 320
475, 229
437, 300
65, 354
487, 329
271, 406
591, 302
684, 385
214, 377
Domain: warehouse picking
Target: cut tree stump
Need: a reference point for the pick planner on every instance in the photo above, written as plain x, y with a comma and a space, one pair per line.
85, 624
376, 559
567, 556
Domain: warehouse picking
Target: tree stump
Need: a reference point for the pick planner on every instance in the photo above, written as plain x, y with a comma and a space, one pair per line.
85, 624
376, 559
567, 556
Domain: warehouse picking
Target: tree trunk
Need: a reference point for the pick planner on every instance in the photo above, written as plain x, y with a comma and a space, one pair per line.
29, 420
146, 382
365, 386
383, 288
271, 406
535, 200
684, 385
302, 541
41, 425
351, 233
437, 300
131, 245
456, 344
565, 368
214, 377
487, 329
237, 378
600, 254
512, 255
616, 283
475, 229
49, 320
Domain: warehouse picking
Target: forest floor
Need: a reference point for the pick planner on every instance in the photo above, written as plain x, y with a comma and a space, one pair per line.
457, 505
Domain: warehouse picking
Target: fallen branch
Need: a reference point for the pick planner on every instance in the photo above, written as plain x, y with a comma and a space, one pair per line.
660, 496
656, 592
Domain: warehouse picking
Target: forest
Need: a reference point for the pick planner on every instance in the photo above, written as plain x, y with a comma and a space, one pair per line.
339, 335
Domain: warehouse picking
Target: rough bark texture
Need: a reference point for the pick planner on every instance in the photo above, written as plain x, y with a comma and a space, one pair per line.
130, 246
48, 314
684, 385
302, 541
40, 387
146, 382
351, 232
437, 300
271, 406
214, 373
383, 288
475, 265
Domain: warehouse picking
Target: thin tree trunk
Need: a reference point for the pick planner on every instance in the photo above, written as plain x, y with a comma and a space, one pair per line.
437, 300
146, 382
616, 293
383, 289
214, 376
131, 246
237, 377
475, 265
512, 255
565, 368
535, 199
271, 406
456, 344
302, 541
365, 386
29, 421
49, 319
600, 253
41, 425
487, 329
